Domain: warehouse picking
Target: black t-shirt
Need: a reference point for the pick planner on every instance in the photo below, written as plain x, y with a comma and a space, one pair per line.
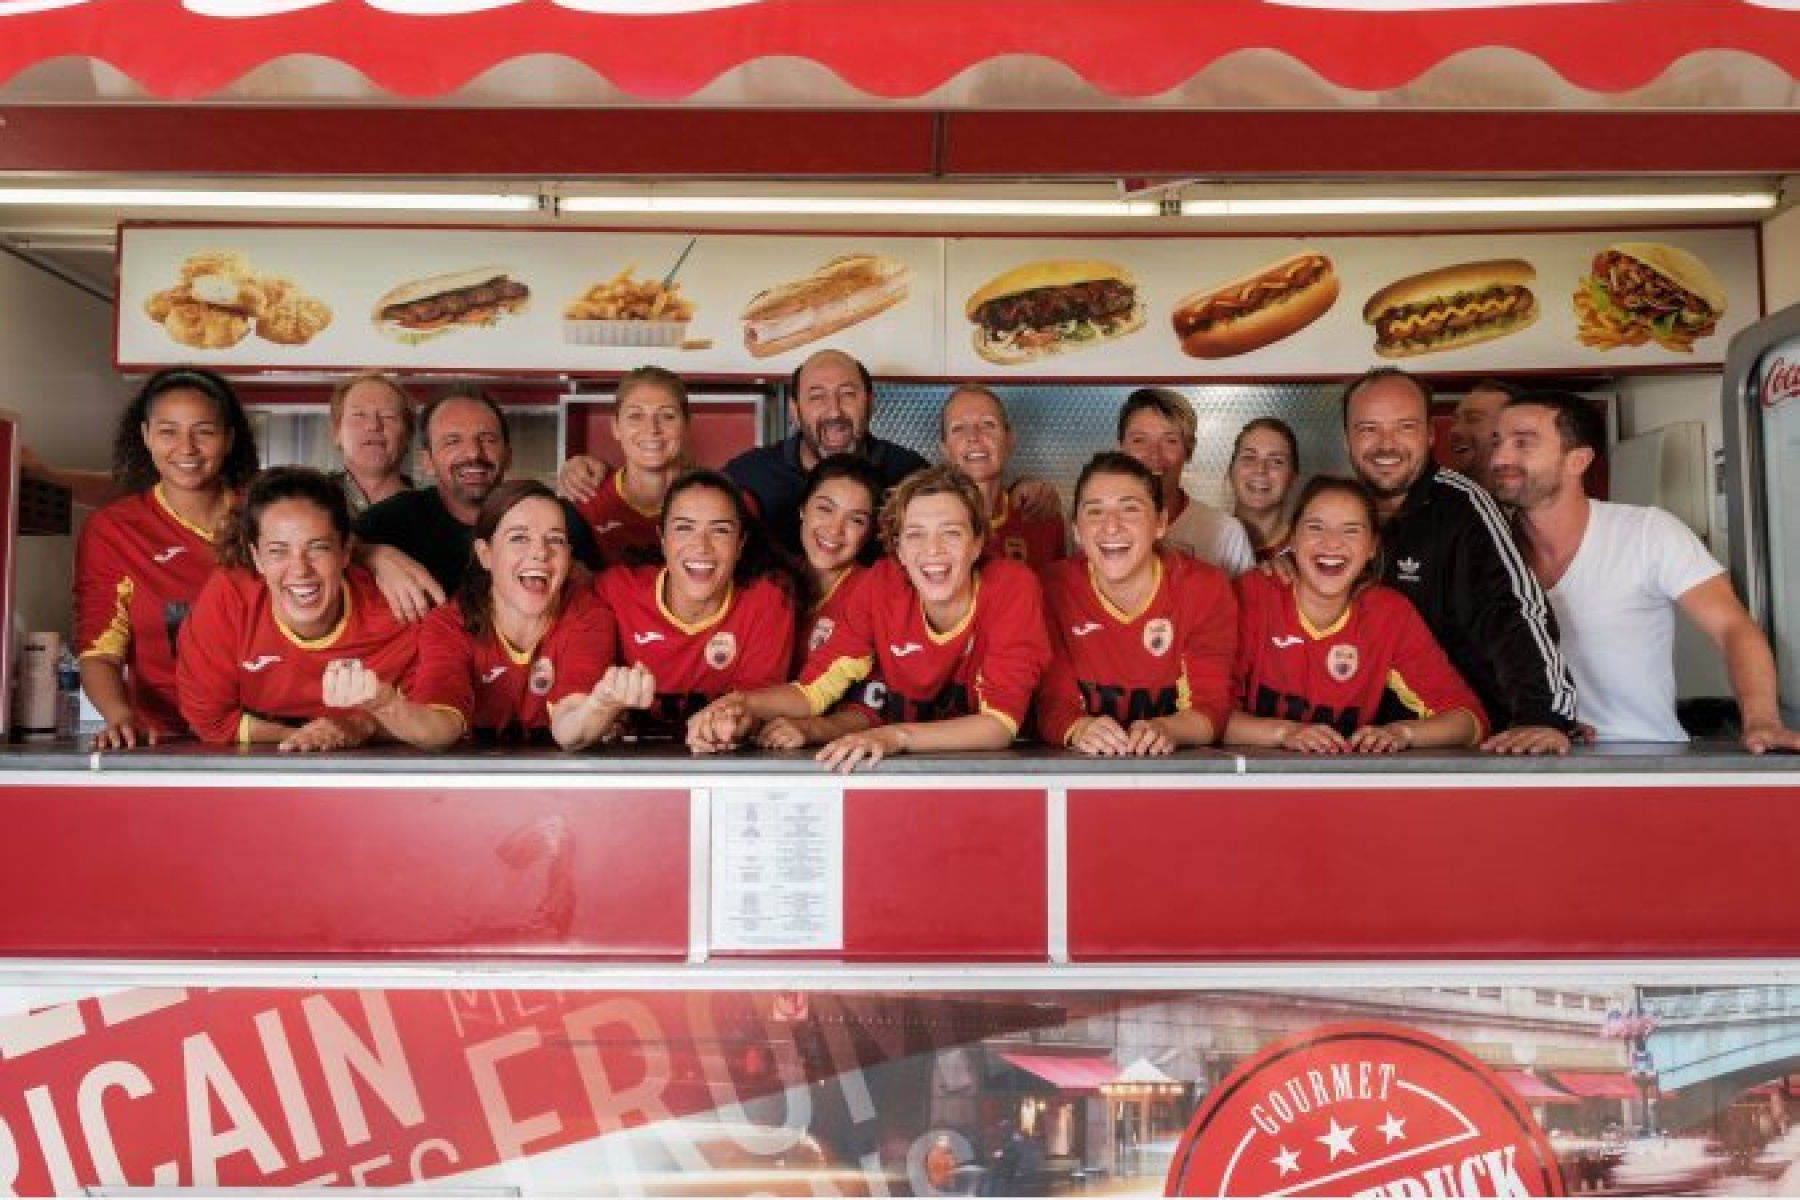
775, 480
418, 524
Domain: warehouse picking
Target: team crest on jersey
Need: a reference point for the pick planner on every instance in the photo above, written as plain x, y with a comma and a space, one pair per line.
543, 677
1341, 663
821, 633
721, 650
1159, 635
1015, 549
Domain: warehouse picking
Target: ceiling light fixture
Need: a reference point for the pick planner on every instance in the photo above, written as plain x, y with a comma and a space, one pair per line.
492, 202
1403, 206
855, 206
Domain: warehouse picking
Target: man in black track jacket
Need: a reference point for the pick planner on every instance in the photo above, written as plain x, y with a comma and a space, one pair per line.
1445, 544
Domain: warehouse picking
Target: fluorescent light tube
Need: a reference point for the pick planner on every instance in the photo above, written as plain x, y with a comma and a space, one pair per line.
1374, 206
831, 206
337, 201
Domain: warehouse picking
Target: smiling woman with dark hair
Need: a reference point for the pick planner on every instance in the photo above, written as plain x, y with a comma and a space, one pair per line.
287, 607
182, 450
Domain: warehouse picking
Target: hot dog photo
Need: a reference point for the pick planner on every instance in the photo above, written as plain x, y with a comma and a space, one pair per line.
1053, 307
840, 293
1641, 292
417, 312
1255, 310
1452, 307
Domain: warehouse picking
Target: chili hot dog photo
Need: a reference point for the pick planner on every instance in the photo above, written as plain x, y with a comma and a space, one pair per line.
1452, 307
1251, 311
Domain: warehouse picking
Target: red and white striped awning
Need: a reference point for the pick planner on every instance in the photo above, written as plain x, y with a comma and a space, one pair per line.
1686, 54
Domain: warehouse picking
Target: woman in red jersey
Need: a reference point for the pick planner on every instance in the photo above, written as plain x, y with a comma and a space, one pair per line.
837, 524
1143, 637
951, 645
717, 617
650, 423
288, 603
1315, 657
524, 653
1265, 461
182, 452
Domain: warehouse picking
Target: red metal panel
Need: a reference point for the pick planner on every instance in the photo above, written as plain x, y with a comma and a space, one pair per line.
1537, 870
944, 873
323, 871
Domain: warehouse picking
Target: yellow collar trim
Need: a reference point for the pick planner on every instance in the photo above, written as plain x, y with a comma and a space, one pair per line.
662, 606
162, 500
1119, 614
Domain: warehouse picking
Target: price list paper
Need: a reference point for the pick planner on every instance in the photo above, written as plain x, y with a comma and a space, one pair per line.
777, 870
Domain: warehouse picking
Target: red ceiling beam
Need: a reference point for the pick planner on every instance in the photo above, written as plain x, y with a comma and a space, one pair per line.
883, 143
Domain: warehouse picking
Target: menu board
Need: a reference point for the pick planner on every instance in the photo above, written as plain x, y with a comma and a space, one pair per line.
732, 304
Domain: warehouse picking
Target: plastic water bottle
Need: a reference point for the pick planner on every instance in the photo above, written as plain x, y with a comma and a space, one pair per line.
68, 694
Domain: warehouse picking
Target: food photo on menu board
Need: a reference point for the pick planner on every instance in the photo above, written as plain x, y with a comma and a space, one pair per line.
1257, 309
842, 292
1056, 306
628, 311
1640, 292
422, 310
1450, 307
220, 298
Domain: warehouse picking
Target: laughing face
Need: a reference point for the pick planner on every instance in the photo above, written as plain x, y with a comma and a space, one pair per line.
835, 524
701, 543
939, 549
650, 427
830, 408
1116, 527
187, 440
1334, 541
302, 558
528, 558
468, 453
976, 436
371, 433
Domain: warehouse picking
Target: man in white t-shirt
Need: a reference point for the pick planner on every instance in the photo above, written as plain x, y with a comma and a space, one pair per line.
1614, 574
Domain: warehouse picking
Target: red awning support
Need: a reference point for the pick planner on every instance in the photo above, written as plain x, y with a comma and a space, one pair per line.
1602, 1085
1530, 1088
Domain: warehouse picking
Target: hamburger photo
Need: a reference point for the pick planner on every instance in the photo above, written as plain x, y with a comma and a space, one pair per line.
417, 312
1640, 292
1053, 307
840, 293
1452, 307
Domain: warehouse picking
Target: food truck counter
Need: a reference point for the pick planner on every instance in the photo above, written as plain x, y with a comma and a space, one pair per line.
643, 855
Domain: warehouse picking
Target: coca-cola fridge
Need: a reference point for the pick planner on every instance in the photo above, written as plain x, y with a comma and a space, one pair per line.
1762, 465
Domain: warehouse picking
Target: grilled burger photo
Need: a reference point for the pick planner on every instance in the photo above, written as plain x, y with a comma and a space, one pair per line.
415, 313
1053, 307
1452, 307
1254, 310
1643, 292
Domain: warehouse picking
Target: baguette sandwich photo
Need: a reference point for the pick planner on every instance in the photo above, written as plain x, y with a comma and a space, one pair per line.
417, 312
848, 289
1250, 312
1641, 292
1053, 307
1452, 307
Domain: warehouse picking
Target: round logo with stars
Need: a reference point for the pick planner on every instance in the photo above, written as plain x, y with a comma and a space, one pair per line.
1364, 1109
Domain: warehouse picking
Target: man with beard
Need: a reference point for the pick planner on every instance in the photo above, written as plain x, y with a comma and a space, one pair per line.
1474, 427
1445, 545
829, 403
418, 543
1615, 573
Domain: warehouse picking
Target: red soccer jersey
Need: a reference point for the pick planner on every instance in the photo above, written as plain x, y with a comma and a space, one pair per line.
138, 568
747, 645
1172, 655
826, 615
1288, 670
503, 693
1037, 543
621, 527
990, 663
239, 661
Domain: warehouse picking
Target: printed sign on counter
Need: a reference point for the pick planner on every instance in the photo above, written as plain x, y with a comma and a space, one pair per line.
722, 304
777, 870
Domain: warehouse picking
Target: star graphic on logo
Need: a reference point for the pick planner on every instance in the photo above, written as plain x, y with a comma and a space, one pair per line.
1337, 1140
1287, 1162
1395, 1128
